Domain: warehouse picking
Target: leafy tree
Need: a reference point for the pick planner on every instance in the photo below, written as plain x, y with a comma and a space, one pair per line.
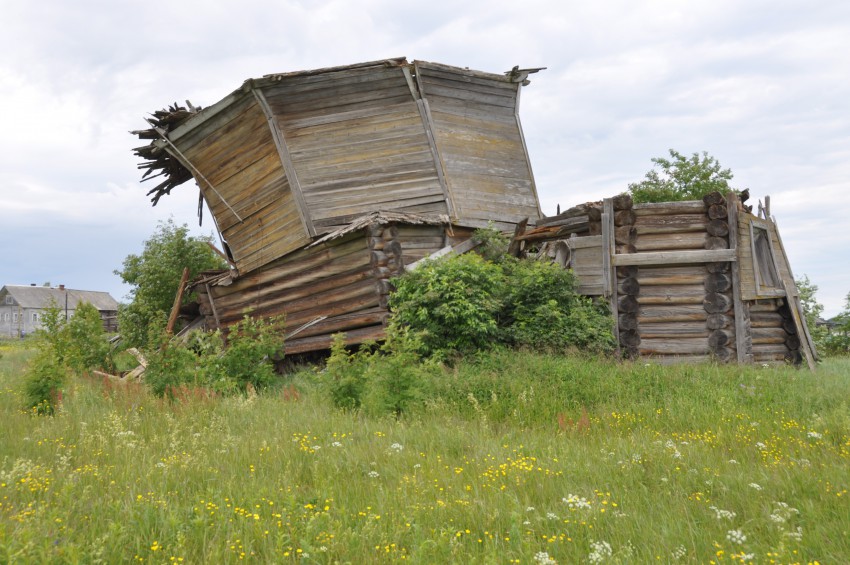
155, 276
837, 340
682, 178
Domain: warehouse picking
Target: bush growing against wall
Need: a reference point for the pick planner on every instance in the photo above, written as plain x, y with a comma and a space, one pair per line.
461, 304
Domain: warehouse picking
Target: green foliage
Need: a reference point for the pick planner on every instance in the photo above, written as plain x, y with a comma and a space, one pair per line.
837, 340
64, 347
390, 379
154, 276
493, 244
462, 304
682, 178
242, 361
454, 303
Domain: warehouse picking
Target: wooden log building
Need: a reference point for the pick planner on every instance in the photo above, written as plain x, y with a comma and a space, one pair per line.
325, 184
686, 281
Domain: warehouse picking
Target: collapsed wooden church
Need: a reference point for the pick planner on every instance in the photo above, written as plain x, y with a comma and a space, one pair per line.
325, 184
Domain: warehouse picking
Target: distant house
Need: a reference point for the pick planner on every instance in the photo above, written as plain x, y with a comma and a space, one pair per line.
22, 307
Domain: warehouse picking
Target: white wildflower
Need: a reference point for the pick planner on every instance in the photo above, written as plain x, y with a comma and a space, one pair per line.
736, 536
796, 535
756, 486
721, 514
316, 447
576, 502
526, 523
323, 548
761, 445
744, 557
552, 516
417, 466
397, 447
374, 474
679, 553
542, 558
815, 435
336, 444
530, 509
601, 551
733, 462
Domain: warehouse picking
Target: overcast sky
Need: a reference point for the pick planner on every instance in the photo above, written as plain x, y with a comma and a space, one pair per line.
764, 86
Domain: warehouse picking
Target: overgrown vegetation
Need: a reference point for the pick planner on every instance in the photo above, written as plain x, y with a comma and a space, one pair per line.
516, 457
154, 276
64, 347
465, 303
682, 178
240, 362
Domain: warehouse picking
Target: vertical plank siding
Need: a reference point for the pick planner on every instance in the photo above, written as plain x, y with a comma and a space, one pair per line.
480, 145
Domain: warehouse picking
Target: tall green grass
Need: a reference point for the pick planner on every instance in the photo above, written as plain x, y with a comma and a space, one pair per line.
513, 458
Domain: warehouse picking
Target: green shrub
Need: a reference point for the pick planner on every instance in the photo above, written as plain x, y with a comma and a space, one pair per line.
390, 379
461, 304
45, 379
244, 360
453, 303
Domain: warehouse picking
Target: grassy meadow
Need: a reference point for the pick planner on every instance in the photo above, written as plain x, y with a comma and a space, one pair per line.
514, 458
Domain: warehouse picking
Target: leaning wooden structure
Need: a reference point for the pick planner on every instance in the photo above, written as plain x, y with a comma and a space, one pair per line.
325, 184
686, 281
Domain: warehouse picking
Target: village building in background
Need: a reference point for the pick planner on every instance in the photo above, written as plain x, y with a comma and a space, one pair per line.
22, 307
325, 184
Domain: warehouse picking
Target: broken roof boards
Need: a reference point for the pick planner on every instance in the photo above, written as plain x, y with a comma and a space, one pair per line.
289, 157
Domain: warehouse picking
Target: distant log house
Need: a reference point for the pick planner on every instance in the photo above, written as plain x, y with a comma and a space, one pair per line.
325, 184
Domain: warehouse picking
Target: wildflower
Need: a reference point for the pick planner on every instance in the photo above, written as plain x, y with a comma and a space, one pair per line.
336, 444
530, 509
756, 486
316, 447
736, 536
815, 435
576, 502
551, 516
795, 535
744, 557
721, 514
374, 474
733, 462
542, 558
397, 447
601, 551
761, 445
679, 552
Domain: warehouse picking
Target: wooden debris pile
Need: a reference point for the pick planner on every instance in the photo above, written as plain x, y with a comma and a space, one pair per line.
157, 160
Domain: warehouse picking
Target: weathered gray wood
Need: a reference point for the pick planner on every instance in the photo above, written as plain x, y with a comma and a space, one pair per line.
627, 322
719, 338
719, 321
675, 257
629, 338
717, 212
713, 242
716, 303
624, 218
592, 212
669, 208
649, 314
628, 304
670, 241
283, 152
718, 228
718, 282
609, 276
743, 339
682, 346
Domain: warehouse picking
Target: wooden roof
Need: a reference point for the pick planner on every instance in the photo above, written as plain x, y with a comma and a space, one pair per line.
289, 157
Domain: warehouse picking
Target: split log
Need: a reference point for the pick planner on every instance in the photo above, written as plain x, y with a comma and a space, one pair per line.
629, 286
393, 248
713, 198
717, 228
622, 202
789, 326
723, 354
390, 232
717, 212
628, 304
624, 218
625, 235
630, 338
716, 303
719, 338
515, 247
669, 276
627, 322
765, 320
721, 267
718, 282
713, 242
718, 321
627, 271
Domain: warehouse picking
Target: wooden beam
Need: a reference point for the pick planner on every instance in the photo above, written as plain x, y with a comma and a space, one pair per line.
175, 309
743, 345
609, 275
675, 257
286, 163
